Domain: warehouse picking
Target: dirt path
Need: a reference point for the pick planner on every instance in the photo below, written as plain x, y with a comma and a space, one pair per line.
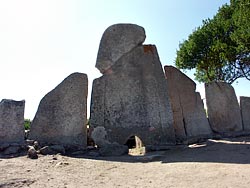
220, 163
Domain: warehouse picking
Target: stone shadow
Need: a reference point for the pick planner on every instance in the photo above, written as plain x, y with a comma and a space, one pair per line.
231, 151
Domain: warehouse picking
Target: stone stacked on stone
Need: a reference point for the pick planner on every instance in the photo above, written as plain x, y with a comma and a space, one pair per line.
189, 115
11, 121
245, 112
62, 114
116, 41
130, 99
223, 108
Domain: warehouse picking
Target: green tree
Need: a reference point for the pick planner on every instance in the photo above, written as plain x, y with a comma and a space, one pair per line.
27, 123
219, 50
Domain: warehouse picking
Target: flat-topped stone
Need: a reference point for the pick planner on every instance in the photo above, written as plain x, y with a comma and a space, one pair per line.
11, 121
116, 41
245, 112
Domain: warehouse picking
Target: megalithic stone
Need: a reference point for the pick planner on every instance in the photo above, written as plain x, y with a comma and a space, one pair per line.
62, 114
245, 112
131, 99
116, 41
223, 108
189, 115
11, 121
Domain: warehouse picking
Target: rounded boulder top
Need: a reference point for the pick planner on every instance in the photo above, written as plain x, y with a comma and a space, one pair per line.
116, 41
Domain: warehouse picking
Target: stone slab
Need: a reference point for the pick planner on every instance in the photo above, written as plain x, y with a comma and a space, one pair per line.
223, 108
62, 114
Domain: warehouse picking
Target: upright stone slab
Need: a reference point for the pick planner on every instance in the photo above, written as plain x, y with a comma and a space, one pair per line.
223, 108
11, 121
131, 99
245, 112
118, 40
62, 114
189, 116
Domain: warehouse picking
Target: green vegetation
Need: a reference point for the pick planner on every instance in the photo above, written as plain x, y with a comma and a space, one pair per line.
27, 123
219, 50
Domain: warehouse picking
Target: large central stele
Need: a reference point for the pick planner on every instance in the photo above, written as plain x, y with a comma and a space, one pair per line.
130, 98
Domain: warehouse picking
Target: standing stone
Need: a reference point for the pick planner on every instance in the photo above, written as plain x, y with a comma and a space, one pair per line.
245, 112
189, 115
61, 116
118, 40
131, 99
11, 121
223, 108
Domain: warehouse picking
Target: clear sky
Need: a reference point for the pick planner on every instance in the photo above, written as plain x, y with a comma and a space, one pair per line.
42, 42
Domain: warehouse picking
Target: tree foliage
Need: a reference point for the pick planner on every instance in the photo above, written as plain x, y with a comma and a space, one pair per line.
219, 50
27, 123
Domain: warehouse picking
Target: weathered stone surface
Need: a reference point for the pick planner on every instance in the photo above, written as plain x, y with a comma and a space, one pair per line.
132, 100
12, 150
116, 41
223, 108
11, 121
61, 116
46, 150
189, 116
245, 112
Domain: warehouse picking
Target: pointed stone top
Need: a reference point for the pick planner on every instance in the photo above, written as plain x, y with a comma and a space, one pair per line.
116, 41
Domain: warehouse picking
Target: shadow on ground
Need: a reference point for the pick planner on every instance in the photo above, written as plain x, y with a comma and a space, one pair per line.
235, 151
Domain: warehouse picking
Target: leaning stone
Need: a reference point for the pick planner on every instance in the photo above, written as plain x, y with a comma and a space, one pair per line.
61, 117
32, 153
46, 150
113, 149
189, 115
116, 41
11, 150
245, 112
11, 121
223, 108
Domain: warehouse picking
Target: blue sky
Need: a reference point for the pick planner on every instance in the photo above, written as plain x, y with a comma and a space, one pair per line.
42, 42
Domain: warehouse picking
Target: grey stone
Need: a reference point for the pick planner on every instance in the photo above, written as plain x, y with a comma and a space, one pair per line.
116, 41
4, 146
113, 149
58, 149
132, 100
61, 116
29, 142
46, 150
32, 153
245, 112
11, 121
222, 107
12, 150
188, 109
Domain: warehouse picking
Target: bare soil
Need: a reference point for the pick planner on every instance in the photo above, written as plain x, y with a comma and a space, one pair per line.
214, 163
